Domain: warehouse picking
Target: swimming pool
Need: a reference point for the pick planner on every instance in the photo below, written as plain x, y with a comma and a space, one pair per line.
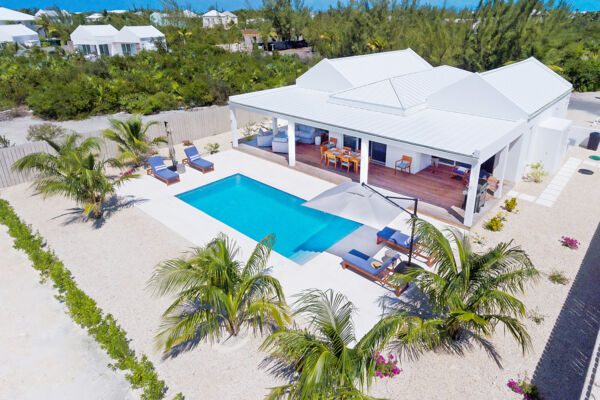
257, 210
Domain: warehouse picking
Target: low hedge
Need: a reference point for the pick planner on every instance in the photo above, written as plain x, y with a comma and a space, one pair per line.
83, 309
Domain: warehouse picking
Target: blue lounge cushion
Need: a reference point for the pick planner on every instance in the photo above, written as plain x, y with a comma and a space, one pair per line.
159, 168
194, 157
402, 164
395, 236
364, 262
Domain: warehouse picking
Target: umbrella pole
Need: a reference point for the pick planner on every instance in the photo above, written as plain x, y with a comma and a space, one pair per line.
412, 234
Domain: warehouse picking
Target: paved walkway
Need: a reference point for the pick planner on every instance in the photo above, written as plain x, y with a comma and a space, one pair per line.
44, 354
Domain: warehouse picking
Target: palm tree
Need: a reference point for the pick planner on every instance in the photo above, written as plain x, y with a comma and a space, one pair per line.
467, 292
130, 136
74, 171
183, 34
325, 364
215, 293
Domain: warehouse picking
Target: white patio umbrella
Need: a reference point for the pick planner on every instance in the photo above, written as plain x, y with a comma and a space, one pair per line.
360, 203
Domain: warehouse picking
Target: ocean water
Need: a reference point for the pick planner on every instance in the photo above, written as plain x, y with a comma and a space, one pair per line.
98, 5
258, 210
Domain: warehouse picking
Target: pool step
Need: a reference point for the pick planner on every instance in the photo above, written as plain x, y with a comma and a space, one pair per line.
303, 256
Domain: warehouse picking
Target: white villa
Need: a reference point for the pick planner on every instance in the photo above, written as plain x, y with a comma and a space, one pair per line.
18, 33
214, 18
95, 17
52, 14
105, 40
8, 16
394, 105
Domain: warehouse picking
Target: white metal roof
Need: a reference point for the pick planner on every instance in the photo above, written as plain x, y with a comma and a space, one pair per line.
6, 14
9, 33
350, 72
212, 13
445, 131
529, 84
135, 33
93, 33
402, 93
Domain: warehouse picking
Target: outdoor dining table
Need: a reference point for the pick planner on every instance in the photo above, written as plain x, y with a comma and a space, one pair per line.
352, 155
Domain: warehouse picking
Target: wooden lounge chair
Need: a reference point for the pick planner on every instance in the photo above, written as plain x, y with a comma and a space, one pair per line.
160, 171
462, 170
401, 242
373, 268
195, 161
403, 165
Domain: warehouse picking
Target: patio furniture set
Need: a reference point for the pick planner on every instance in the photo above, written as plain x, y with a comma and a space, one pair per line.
279, 141
160, 171
383, 271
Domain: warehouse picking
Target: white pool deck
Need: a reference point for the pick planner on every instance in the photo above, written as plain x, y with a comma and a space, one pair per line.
323, 271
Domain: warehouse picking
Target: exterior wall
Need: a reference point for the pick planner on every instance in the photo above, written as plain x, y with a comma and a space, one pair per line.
420, 161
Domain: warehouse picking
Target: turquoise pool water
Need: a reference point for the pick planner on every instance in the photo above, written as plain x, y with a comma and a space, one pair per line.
257, 210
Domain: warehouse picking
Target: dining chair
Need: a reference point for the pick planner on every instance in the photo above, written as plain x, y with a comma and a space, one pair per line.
345, 162
323, 151
348, 149
331, 159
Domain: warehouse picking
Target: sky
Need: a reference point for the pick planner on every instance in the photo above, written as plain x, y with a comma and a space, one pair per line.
197, 5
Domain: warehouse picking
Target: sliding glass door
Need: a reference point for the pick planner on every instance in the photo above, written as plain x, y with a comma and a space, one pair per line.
377, 152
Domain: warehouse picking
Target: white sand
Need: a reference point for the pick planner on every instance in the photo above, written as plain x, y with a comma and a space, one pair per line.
45, 355
113, 263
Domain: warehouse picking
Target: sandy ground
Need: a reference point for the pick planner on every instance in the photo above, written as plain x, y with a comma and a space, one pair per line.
112, 264
584, 108
45, 355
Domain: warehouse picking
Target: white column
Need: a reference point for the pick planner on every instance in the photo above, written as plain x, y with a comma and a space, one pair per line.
291, 143
471, 193
501, 171
234, 129
274, 126
364, 160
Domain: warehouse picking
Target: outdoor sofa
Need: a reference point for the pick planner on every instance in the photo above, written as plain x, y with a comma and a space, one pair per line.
264, 138
160, 171
195, 161
373, 268
401, 242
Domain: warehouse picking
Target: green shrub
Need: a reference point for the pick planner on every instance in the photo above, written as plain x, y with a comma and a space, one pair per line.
496, 223
537, 172
82, 308
212, 148
558, 278
510, 204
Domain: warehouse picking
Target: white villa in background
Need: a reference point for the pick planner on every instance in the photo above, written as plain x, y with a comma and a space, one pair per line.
95, 17
214, 18
18, 33
105, 40
397, 102
8, 16
52, 14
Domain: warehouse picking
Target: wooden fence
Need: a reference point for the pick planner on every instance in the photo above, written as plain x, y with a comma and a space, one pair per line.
184, 125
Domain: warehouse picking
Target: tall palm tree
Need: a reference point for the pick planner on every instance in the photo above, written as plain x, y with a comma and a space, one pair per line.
215, 293
183, 34
130, 136
322, 357
73, 170
467, 292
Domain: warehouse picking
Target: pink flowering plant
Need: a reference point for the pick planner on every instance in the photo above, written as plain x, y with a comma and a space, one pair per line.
527, 389
569, 242
187, 143
126, 173
386, 368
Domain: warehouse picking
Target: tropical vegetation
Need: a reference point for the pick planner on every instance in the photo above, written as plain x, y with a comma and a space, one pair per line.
74, 170
468, 294
326, 360
130, 137
194, 72
217, 294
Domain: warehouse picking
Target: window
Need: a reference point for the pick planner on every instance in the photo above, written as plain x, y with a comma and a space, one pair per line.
85, 49
103, 49
128, 48
352, 142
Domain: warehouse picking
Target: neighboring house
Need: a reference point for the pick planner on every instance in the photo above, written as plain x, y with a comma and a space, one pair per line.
189, 14
94, 40
133, 39
18, 33
395, 104
52, 14
95, 17
214, 18
159, 19
8, 16
105, 40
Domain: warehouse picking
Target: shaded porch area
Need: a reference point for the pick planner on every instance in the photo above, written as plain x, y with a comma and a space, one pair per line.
440, 194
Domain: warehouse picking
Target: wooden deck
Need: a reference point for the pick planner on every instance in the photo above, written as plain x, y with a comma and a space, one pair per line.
440, 194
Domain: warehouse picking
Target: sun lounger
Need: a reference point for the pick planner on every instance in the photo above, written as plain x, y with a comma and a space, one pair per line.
372, 268
401, 242
160, 171
195, 161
